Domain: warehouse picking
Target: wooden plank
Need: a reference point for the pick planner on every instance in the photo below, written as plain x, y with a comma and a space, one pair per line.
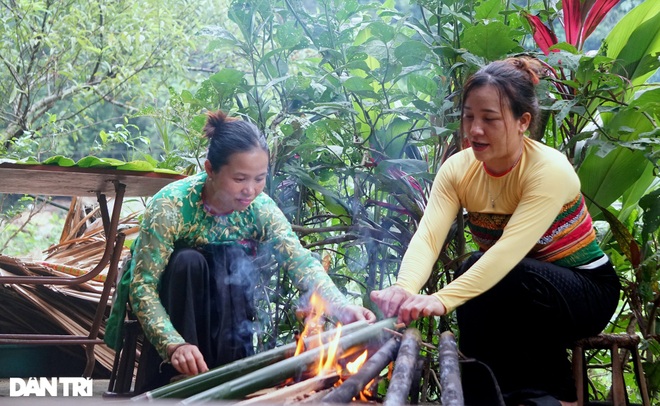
52, 180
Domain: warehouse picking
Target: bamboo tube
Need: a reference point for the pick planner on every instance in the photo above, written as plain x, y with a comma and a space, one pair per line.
292, 391
374, 365
276, 373
450, 375
198, 383
404, 369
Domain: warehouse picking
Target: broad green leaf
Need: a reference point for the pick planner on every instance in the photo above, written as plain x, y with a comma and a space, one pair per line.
96, 162
411, 53
142, 166
651, 205
382, 31
632, 196
423, 84
227, 77
605, 179
622, 235
59, 160
360, 86
488, 9
289, 34
648, 101
491, 41
635, 42
391, 140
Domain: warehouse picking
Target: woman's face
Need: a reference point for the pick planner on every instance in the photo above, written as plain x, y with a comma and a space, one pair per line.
495, 135
235, 185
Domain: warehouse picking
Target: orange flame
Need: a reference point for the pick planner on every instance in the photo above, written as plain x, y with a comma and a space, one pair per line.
328, 361
354, 367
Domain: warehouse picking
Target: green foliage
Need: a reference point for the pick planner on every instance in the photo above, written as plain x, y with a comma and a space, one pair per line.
359, 101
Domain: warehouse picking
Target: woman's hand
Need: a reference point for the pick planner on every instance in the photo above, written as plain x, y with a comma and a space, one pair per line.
187, 359
396, 301
417, 306
351, 313
389, 300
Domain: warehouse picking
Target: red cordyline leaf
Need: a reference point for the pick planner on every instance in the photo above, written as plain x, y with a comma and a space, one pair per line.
581, 17
572, 20
596, 14
399, 174
542, 35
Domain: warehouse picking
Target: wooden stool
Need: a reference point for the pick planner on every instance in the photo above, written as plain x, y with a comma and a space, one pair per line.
613, 342
123, 370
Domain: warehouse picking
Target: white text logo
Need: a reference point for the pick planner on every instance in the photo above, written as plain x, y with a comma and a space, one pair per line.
52, 387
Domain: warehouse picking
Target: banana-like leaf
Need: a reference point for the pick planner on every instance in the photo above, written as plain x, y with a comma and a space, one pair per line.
635, 42
622, 235
605, 178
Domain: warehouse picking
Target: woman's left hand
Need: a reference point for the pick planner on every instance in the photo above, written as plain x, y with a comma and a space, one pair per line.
351, 313
417, 306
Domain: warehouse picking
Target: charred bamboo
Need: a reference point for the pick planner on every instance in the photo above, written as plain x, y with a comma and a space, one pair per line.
374, 365
450, 374
277, 373
199, 383
404, 369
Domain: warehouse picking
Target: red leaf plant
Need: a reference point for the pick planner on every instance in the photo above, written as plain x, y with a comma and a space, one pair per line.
581, 17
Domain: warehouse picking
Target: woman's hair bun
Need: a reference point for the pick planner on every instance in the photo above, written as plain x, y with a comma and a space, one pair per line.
214, 121
529, 65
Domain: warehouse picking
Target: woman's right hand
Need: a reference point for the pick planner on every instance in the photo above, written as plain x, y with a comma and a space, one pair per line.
389, 300
187, 359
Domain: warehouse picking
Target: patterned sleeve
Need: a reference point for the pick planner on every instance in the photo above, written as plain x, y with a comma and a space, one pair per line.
305, 271
152, 250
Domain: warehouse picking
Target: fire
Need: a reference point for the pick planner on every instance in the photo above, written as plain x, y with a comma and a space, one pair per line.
314, 326
354, 367
327, 363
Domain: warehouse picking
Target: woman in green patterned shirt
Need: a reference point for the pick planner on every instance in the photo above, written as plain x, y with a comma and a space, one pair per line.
193, 269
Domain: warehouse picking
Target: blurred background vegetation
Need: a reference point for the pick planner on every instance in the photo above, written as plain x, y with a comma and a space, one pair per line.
359, 101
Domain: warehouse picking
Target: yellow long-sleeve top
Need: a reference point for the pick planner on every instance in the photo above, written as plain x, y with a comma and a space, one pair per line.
534, 210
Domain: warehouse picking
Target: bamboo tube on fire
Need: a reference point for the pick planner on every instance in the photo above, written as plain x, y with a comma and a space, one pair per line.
404, 369
278, 372
199, 383
374, 365
450, 375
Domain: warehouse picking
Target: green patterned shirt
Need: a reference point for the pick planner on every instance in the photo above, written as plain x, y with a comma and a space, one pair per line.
175, 215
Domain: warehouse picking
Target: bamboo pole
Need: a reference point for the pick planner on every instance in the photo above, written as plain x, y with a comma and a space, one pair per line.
277, 396
199, 383
450, 374
404, 369
374, 365
277, 373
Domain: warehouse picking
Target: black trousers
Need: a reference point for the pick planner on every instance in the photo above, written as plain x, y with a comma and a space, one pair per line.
208, 294
521, 328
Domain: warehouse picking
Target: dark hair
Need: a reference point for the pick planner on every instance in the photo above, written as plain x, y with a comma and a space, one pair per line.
228, 136
515, 80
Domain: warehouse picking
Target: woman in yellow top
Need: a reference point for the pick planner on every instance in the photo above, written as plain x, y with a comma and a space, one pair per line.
540, 280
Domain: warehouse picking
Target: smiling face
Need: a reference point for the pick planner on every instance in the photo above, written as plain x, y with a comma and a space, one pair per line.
235, 185
495, 135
